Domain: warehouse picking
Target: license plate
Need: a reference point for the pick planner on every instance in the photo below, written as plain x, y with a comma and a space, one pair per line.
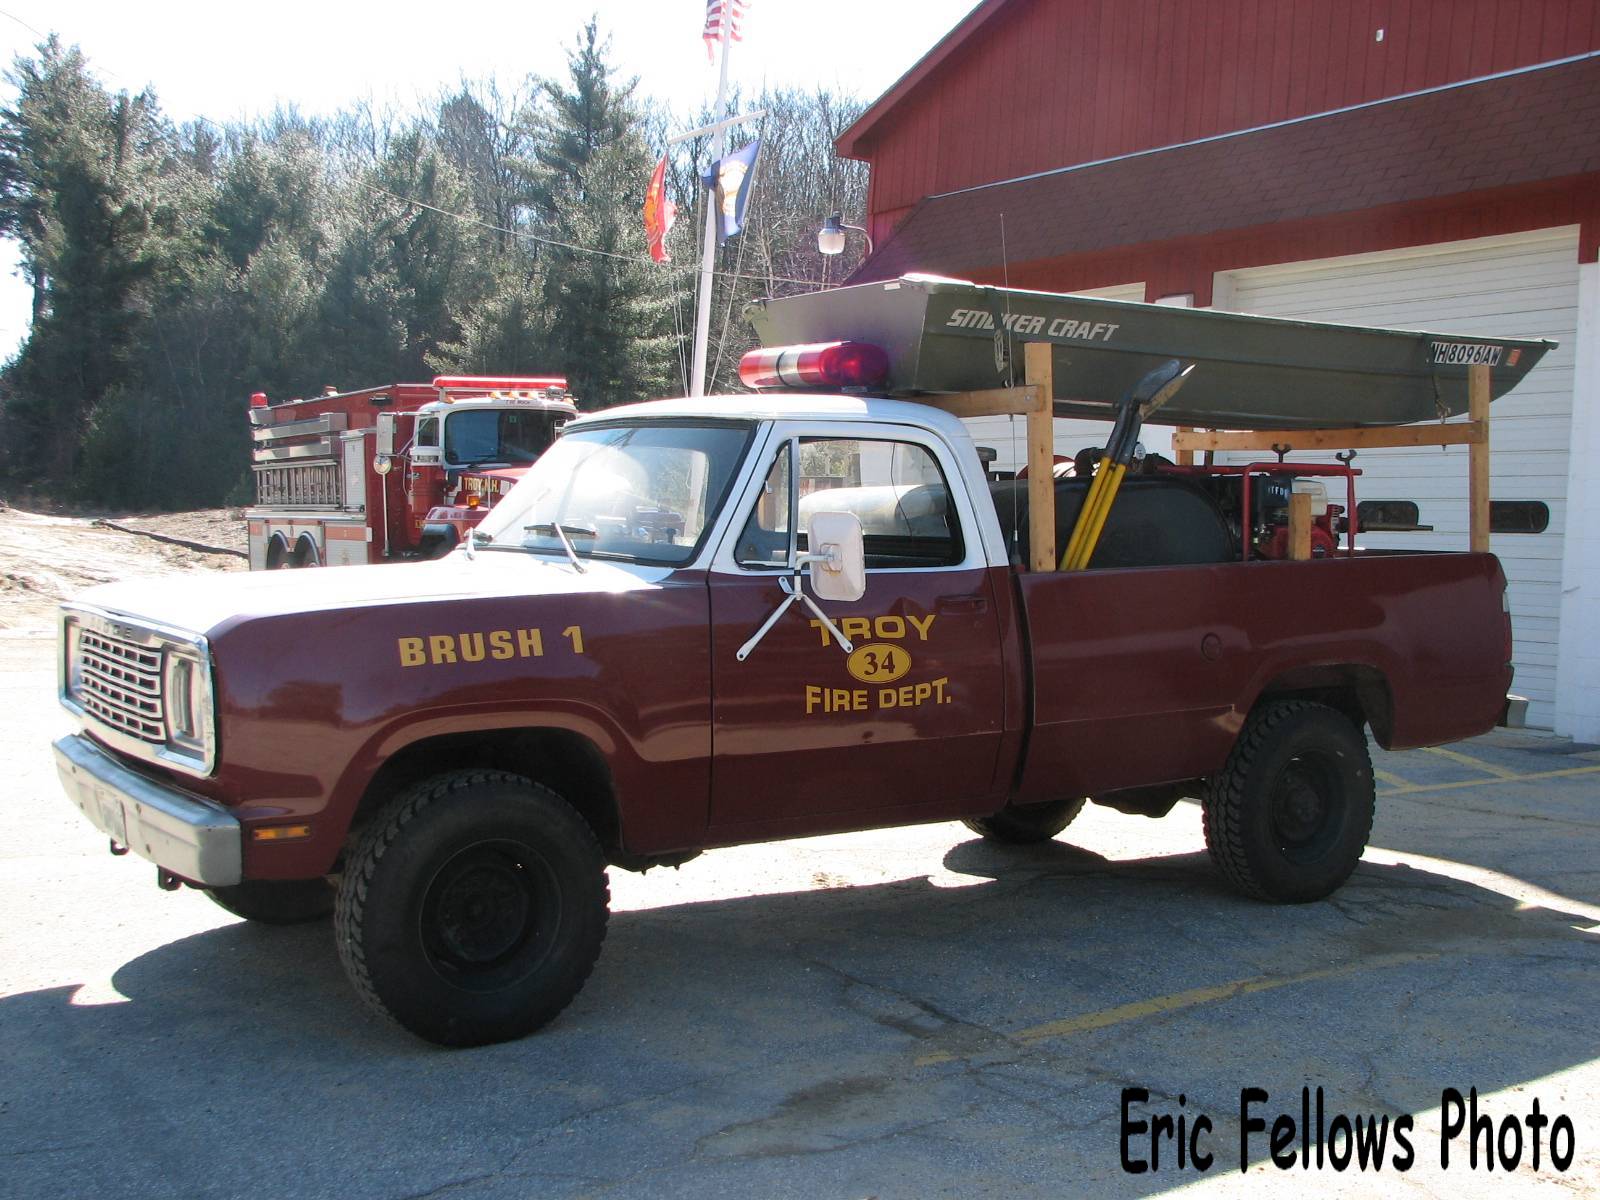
114, 819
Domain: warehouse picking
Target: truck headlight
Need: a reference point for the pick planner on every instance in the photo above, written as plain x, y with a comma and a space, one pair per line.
188, 702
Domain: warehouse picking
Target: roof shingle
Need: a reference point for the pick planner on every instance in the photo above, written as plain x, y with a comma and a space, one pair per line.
1524, 127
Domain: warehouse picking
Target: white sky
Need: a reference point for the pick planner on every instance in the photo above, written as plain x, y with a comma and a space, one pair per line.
224, 61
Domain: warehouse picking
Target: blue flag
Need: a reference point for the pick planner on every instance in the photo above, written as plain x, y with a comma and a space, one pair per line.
730, 179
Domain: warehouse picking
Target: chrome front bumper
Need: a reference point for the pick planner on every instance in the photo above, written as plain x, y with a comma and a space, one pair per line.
190, 837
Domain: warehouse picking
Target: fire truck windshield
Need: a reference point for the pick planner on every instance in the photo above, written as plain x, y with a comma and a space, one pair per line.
497, 436
641, 493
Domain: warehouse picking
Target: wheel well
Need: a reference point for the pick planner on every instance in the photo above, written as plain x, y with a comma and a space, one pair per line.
1361, 693
277, 549
566, 762
306, 553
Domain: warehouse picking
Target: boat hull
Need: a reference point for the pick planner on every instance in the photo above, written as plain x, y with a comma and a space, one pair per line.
1251, 372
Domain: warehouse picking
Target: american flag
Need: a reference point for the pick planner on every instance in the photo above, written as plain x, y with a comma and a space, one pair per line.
720, 11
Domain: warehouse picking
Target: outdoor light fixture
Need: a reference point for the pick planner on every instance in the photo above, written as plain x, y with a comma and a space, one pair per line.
830, 238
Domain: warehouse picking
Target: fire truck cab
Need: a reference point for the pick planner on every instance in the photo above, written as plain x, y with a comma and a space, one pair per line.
395, 472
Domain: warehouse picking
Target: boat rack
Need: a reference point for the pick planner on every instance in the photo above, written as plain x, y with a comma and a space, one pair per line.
1033, 399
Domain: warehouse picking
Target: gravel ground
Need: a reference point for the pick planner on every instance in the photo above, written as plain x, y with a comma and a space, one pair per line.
45, 559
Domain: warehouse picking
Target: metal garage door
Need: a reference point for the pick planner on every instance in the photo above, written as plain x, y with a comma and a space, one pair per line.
1524, 285
1008, 437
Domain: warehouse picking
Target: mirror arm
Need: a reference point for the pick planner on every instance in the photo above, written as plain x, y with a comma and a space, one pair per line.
792, 592
794, 586
799, 594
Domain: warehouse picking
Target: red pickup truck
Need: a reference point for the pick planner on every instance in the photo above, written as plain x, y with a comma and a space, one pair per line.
706, 622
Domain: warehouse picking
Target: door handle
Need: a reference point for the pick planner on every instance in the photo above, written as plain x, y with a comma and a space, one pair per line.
958, 605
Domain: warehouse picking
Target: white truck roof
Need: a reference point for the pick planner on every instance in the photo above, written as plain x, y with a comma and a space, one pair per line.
788, 406
802, 406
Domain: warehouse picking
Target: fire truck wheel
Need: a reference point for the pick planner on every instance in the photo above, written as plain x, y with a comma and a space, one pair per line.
276, 901
1289, 815
473, 908
1024, 824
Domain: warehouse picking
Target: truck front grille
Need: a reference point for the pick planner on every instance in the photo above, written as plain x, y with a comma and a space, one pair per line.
120, 683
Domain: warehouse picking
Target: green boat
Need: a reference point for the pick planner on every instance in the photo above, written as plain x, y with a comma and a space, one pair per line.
945, 335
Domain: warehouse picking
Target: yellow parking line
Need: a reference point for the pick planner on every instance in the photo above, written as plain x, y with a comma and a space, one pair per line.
1391, 780
1467, 760
1412, 789
1178, 1001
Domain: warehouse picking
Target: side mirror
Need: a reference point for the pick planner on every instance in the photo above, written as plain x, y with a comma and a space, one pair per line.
837, 556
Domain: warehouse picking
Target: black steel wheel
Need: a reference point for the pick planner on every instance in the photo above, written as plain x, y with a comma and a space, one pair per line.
1290, 813
277, 901
1026, 824
473, 909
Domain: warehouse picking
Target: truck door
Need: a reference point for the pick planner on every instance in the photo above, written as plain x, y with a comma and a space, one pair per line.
806, 737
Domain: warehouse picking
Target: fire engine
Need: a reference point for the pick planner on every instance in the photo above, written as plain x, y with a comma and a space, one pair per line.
394, 472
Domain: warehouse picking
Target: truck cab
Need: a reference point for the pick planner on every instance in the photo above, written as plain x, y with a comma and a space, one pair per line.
390, 473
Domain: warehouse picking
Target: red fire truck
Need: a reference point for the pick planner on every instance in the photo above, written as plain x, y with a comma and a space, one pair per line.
394, 472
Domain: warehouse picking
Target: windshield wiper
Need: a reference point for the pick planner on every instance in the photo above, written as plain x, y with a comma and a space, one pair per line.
561, 531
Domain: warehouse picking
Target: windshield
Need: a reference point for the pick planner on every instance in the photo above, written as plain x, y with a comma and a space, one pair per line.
517, 436
642, 493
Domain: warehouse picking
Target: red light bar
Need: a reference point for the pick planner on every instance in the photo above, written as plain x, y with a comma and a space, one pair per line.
500, 383
824, 365
258, 399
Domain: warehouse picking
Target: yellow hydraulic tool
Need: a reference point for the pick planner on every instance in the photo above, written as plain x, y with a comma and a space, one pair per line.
1149, 394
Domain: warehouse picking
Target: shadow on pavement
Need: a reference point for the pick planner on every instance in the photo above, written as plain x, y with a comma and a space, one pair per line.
878, 1039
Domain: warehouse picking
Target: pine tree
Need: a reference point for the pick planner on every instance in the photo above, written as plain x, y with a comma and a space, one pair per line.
610, 308
83, 178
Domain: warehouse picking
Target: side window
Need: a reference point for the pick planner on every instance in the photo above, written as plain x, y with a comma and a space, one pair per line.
765, 539
428, 431
895, 489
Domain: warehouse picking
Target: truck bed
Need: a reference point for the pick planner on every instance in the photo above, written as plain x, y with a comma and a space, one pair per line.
1157, 668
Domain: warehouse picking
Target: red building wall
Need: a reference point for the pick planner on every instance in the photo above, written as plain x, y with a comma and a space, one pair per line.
1048, 83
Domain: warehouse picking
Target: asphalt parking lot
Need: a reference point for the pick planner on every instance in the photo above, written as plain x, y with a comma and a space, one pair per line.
905, 1013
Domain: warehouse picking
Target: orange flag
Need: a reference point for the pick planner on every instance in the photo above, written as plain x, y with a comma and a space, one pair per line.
659, 213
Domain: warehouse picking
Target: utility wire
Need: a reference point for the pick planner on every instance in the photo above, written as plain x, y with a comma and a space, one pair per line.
24, 24
523, 234
534, 237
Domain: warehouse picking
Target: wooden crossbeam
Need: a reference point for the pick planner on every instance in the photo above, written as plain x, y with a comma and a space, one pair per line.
1468, 433
994, 402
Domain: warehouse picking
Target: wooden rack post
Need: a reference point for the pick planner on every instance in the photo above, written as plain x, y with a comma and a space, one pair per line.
1040, 374
1299, 526
1478, 457
1472, 433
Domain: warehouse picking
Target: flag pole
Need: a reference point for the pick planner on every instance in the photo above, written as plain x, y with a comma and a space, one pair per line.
708, 255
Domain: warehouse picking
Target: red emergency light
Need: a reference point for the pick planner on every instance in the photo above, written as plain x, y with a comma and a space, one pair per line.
258, 399
821, 365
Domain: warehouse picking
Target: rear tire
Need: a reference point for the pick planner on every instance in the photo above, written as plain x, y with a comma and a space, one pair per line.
473, 908
1290, 813
1027, 824
276, 901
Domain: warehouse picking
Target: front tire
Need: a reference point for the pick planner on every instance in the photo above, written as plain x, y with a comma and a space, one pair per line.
1027, 824
276, 902
473, 908
1290, 813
